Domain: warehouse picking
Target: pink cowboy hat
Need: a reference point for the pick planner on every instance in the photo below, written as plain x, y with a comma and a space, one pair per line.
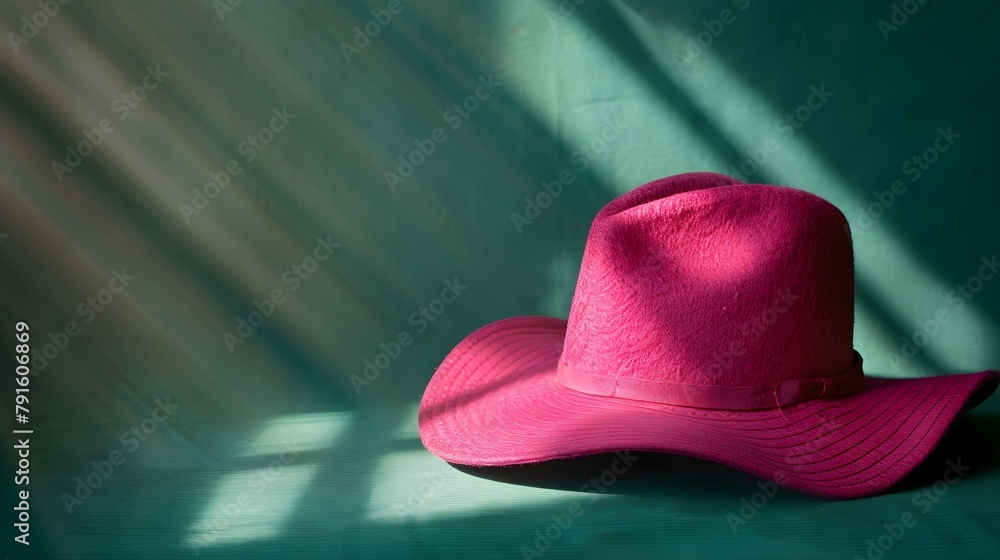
713, 319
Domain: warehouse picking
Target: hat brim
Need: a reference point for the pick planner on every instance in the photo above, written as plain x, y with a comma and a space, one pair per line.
494, 401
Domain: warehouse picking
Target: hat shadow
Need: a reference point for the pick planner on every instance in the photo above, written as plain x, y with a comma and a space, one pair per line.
652, 473
969, 440
667, 474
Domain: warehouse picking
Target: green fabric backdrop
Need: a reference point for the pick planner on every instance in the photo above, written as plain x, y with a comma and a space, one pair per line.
305, 117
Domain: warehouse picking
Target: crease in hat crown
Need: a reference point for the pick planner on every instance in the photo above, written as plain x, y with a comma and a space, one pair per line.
698, 290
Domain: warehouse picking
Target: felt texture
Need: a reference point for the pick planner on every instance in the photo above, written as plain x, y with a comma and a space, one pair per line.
700, 280
704, 285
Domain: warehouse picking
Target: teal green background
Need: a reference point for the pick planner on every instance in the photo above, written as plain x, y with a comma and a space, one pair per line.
564, 71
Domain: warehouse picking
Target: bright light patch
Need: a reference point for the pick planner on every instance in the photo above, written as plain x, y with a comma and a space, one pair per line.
308, 431
613, 125
251, 505
415, 485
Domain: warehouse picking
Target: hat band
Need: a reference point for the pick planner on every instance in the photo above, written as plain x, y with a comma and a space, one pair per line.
715, 396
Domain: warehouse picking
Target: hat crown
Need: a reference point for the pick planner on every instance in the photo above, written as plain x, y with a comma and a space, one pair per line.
701, 281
